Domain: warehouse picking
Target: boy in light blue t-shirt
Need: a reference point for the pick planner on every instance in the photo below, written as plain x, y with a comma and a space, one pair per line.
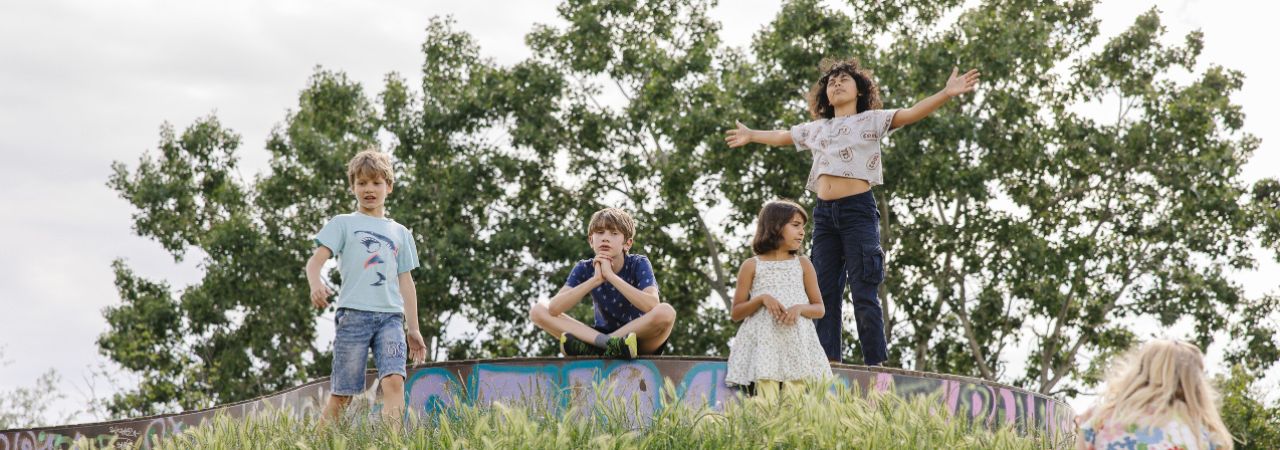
375, 255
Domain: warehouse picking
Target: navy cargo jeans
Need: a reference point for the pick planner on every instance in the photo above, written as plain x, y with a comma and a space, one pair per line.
846, 250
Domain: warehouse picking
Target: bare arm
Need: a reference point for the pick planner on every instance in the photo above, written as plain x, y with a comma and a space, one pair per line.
743, 304
409, 293
568, 297
815, 309
319, 291
956, 85
643, 300
742, 136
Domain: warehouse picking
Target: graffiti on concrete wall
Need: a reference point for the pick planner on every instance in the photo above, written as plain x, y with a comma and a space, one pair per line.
561, 385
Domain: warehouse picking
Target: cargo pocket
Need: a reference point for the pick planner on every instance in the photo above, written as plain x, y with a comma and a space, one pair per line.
872, 263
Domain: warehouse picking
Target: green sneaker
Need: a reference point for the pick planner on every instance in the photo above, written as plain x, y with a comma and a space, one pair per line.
572, 346
622, 348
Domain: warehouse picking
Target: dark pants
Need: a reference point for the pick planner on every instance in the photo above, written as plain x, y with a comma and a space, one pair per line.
846, 251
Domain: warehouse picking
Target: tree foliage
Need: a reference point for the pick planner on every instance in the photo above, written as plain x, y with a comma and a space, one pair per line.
28, 407
1016, 221
1254, 423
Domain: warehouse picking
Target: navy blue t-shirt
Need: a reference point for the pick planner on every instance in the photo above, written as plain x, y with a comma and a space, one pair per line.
613, 310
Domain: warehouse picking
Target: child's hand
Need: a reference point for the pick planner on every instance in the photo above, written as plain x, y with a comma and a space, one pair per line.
739, 137
597, 276
773, 306
417, 347
604, 267
320, 294
957, 85
793, 314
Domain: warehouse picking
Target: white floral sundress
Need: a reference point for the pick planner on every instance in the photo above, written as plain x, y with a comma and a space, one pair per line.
765, 349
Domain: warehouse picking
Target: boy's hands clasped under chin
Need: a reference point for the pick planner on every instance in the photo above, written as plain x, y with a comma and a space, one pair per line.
604, 268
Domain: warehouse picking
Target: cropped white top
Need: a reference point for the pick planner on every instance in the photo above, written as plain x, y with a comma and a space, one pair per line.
846, 146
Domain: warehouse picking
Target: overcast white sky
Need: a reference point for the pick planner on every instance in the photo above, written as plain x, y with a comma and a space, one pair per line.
85, 83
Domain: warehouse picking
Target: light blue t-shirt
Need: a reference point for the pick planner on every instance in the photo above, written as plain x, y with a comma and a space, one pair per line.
371, 253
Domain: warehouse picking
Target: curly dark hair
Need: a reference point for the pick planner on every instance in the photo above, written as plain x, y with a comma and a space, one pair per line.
868, 94
775, 215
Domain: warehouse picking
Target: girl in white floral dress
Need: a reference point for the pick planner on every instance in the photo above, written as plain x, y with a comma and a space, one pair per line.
778, 297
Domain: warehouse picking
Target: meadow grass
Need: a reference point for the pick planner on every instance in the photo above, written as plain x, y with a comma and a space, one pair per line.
816, 418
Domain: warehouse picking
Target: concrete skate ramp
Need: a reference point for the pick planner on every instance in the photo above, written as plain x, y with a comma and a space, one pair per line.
559, 383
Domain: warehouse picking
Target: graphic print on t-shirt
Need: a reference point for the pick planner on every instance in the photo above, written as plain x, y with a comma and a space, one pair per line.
373, 243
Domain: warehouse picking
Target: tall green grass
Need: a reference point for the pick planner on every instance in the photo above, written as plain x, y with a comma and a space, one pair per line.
817, 418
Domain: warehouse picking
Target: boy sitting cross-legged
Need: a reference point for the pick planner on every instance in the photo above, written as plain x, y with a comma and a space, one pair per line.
630, 318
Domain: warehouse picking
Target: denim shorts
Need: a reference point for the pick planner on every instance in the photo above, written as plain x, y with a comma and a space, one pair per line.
357, 332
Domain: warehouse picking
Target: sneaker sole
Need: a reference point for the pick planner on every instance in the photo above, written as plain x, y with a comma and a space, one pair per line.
633, 348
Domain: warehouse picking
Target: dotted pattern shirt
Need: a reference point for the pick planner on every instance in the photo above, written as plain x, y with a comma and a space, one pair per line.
613, 310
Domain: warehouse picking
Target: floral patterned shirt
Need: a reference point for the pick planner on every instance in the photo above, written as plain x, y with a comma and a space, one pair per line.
1175, 434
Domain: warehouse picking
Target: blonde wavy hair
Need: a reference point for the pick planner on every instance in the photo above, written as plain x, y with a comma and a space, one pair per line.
370, 163
1162, 380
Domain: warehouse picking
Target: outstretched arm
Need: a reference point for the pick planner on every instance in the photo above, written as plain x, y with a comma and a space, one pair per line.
956, 85
742, 136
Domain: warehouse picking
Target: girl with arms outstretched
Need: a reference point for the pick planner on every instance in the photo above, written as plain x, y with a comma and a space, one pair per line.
844, 139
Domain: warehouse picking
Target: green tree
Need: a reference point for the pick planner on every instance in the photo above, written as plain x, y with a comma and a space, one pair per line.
30, 407
1011, 218
1028, 221
1253, 424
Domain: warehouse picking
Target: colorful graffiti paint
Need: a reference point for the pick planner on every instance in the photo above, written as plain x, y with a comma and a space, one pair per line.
563, 385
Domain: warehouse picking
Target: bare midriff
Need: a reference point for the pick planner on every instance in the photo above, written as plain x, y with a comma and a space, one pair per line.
831, 187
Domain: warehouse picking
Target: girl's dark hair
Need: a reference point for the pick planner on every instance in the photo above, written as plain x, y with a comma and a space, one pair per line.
775, 215
868, 94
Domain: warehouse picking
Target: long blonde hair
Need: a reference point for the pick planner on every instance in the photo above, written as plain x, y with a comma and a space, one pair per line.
1163, 380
